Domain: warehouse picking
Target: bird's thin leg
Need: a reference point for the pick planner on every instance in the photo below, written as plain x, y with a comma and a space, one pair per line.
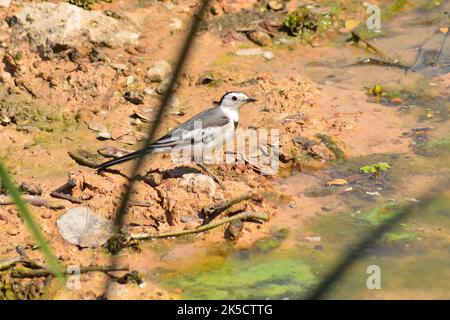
220, 183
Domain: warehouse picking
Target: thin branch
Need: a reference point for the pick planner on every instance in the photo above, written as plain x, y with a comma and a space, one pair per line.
225, 204
23, 273
34, 201
240, 216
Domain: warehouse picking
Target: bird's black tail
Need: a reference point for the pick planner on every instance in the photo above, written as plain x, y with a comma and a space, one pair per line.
125, 158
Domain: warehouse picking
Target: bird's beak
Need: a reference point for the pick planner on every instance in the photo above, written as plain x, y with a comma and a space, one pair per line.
250, 100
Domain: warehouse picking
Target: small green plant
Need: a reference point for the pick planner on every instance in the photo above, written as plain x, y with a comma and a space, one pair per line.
304, 23
375, 168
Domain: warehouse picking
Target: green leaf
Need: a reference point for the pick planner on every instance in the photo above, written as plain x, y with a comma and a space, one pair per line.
383, 166
374, 168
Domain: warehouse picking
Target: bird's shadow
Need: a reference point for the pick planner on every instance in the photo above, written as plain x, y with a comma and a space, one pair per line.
176, 172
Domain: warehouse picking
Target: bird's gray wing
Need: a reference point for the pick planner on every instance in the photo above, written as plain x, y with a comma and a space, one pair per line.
189, 130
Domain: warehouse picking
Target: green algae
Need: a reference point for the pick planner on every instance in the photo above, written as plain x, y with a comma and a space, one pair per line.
22, 111
273, 242
237, 279
439, 145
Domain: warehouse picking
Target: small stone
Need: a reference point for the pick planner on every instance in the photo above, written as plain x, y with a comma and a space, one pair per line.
13, 231
176, 24
337, 182
153, 178
133, 60
159, 71
130, 80
397, 100
136, 122
249, 52
46, 215
30, 188
6, 77
260, 38
149, 91
104, 135
119, 66
98, 127
275, 5
268, 55
128, 139
134, 97
174, 106
234, 230
145, 114
118, 132
110, 151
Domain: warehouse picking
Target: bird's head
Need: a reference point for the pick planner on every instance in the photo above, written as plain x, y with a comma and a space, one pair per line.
235, 99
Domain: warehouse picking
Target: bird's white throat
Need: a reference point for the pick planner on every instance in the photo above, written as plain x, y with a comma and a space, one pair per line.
231, 113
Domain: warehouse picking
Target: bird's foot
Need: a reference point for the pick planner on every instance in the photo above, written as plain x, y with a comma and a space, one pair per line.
219, 182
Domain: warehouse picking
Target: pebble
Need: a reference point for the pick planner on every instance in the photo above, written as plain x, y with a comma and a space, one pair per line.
97, 127
149, 91
134, 97
13, 231
174, 106
130, 80
46, 215
159, 71
275, 5
118, 132
119, 66
260, 38
128, 139
6, 77
176, 24
268, 55
104, 135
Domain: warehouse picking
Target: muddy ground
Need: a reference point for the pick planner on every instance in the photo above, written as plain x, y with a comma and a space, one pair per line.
61, 96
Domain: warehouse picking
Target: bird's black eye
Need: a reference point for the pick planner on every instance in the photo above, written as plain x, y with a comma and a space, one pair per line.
234, 98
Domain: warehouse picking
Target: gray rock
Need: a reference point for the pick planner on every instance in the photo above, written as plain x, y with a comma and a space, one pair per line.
82, 227
52, 26
160, 71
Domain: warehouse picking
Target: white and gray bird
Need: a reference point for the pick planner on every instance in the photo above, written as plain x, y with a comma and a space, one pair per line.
217, 125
